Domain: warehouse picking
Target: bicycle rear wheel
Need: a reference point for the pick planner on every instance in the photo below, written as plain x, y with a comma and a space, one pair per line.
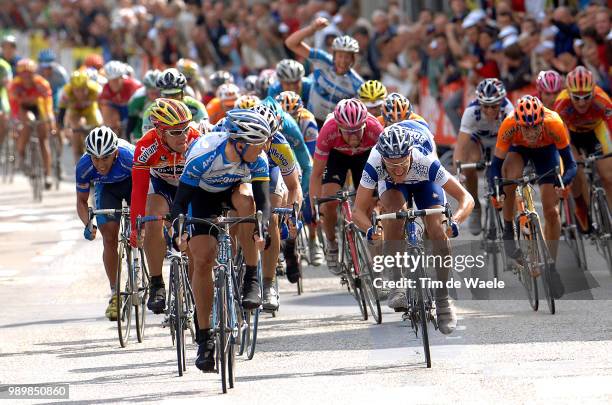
143, 293
367, 278
177, 318
56, 163
124, 288
35, 169
545, 264
528, 267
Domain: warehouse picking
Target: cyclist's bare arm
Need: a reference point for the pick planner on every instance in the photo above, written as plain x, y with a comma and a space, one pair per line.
83, 206
364, 201
295, 41
318, 167
292, 181
465, 201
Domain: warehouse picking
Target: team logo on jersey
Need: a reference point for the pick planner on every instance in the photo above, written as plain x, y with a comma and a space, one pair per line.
146, 153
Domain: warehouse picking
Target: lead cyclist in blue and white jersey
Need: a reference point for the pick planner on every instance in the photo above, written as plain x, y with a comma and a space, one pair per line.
230, 168
107, 163
478, 132
290, 77
334, 79
401, 173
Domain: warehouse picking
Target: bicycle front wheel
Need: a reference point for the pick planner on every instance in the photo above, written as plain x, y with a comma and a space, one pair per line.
367, 278
222, 335
528, 268
177, 316
545, 264
354, 284
124, 288
142, 287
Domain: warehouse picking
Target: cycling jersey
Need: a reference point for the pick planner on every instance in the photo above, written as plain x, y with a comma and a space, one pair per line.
208, 167
328, 88
198, 113
57, 80
553, 132
69, 101
597, 119
154, 160
6, 75
308, 127
38, 95
280, 155
121, 97
421, 135
478, 127
137, 105
276, 88
330, 138
121, 169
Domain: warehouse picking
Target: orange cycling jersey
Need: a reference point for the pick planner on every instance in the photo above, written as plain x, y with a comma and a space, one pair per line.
215, 110
38, 95
599, 111
153, 158
553, 132
412, 116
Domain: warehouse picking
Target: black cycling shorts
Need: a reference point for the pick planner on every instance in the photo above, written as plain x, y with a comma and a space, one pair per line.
585, 142
339, 164
109, 196
206, 204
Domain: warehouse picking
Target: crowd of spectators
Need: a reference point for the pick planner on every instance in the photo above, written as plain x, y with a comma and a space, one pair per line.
509, 39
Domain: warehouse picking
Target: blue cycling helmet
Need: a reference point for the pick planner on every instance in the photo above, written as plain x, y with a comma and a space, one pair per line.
394, 142
46, 56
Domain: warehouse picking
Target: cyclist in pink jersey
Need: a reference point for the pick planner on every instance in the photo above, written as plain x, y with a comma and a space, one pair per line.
344, 144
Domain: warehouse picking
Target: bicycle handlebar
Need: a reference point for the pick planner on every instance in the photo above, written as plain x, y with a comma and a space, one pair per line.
412, 214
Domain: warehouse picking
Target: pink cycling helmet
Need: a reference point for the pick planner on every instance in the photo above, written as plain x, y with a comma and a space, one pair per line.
350, 114
549, 81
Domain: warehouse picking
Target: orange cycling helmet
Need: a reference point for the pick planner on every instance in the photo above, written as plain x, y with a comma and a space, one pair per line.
529, 111
580, 80
168, 113
26, 65
93, 60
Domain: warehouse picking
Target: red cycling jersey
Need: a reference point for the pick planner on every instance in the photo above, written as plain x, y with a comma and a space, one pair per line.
600, 110
38, 94
330, 138
154, 158
122, 97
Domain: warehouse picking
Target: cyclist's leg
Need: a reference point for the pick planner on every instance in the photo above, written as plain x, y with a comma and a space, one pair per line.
545, 159
512, 169
468, 150
278, 196
604, 166
24, 135
43, 130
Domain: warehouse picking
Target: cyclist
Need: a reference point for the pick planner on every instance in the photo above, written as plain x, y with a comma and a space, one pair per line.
216, 80
55, 73
249, 85
343, 144
107, 163
158, 163
218, 167
284, 191
116, 94
478, 133
587, 111
79, 101
93, 61
292, 104
9, 51
6, 75
140, 100
533, 133
549, 84
196, 85
31, 93
264, 81
373, 93
290, 77
171, 84
226, 96
397, 108
334, 79
399, 171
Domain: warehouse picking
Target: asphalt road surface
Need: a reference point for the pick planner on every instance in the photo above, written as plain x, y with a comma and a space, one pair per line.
317, 350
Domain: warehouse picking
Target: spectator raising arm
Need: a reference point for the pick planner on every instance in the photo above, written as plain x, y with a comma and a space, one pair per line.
295, 41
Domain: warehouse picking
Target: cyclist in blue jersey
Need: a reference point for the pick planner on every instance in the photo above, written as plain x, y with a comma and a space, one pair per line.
218, 167
334, 79
108, 164
290, 77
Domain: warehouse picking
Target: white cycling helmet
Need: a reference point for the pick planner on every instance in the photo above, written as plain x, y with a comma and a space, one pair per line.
101, 141
270, 116
114, 69
345, 43
289, 70
228, 92
247, 126
150, 79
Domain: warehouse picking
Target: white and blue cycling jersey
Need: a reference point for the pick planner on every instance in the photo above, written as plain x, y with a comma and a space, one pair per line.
424, 168
121, 169
328, 87
208, 167
422, 136
478, 127
275, 89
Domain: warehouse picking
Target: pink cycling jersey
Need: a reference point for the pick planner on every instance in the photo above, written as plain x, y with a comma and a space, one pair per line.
122, 97
330, 139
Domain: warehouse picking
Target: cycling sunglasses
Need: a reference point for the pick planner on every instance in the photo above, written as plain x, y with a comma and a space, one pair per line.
174, 133
352, 131
489, 106
583, 97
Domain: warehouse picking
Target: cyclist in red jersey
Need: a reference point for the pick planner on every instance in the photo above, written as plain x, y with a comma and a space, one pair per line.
116, 94
344, 144
159, 160
30, 93
587, 111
